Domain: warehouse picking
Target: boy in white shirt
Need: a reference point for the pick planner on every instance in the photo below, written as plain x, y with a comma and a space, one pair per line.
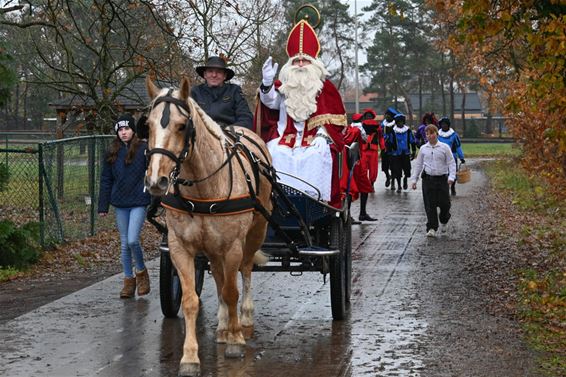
435, 164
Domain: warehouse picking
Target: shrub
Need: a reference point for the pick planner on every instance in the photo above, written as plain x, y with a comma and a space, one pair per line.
19, 247
472, 130
4, 176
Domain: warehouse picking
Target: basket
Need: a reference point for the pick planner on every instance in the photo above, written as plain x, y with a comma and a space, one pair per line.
464, 175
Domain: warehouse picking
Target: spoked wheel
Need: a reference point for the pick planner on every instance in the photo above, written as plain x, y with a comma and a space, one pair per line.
337, 266
348, 257
170, 292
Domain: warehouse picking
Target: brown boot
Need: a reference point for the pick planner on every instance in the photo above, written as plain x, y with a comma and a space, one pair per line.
129, 289
143, 282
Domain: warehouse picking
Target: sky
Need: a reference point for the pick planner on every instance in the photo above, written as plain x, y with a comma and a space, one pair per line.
362, 57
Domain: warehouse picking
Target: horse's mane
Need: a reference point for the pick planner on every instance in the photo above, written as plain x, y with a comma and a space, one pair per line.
212, 127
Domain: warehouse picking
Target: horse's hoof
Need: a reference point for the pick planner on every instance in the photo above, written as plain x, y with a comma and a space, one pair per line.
189, 370
248, 331
234, 351
221, 336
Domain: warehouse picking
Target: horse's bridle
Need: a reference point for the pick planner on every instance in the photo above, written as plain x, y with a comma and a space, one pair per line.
168, 99
190, 134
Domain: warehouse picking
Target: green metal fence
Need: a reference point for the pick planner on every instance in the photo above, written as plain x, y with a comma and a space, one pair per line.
56, 184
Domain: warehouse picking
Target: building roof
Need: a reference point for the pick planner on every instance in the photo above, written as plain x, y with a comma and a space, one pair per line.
430, 103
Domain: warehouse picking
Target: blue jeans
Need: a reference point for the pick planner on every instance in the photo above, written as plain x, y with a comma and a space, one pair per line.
130, 222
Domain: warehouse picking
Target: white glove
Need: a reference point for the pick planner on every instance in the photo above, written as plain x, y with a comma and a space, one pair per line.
269, 70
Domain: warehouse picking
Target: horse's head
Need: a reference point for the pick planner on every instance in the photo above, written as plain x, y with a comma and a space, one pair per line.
171, 134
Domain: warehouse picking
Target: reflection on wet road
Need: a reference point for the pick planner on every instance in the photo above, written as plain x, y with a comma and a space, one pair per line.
93, 333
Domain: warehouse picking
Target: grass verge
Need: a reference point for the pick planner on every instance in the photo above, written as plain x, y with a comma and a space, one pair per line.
491, 149
8, 273
542, 239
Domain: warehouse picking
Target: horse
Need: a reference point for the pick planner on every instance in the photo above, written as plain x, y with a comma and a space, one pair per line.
216, 191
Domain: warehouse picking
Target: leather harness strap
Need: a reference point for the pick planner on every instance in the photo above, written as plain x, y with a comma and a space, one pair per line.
215, 207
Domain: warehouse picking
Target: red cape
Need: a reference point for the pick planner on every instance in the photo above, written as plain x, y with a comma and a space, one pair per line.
330, 114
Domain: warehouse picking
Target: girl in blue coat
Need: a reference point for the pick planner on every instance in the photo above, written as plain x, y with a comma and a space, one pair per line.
447, 135
122, 186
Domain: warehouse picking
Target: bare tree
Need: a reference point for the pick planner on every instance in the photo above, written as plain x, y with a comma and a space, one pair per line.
92, 48
223, 27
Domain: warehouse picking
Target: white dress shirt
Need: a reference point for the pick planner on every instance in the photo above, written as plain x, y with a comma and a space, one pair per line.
435, 160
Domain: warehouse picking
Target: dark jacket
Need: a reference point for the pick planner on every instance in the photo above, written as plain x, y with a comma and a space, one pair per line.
226, 104
122, 185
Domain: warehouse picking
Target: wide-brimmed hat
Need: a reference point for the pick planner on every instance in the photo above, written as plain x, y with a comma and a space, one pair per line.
215, 62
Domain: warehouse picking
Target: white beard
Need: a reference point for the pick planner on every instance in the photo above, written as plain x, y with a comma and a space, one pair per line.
301, 86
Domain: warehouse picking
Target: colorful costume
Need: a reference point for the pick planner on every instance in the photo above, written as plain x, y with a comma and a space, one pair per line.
305, 149
451, 138
375, 143
387, 128
420, 135
401, 144
361, 183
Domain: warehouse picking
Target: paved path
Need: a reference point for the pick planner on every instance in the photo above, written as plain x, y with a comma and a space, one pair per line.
93, 333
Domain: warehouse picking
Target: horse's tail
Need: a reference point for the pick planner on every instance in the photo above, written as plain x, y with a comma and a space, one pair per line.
260, 258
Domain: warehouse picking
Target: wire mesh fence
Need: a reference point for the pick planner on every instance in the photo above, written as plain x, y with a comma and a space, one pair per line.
19, 185
57, 185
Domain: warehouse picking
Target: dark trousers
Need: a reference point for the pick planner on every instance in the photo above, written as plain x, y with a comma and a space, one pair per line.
400, 165
436, 194
385, 162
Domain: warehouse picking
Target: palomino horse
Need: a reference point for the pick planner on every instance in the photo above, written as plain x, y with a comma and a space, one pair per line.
215, 189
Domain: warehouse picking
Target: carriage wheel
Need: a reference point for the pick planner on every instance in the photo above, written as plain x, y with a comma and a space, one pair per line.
170, 292
348, 257
337, 270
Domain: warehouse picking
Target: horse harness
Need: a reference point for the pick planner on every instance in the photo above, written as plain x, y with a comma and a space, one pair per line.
235, 149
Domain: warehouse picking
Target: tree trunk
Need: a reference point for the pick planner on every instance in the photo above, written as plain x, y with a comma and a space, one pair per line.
489, 121
463, 111
421, 96
442, 91
451, 91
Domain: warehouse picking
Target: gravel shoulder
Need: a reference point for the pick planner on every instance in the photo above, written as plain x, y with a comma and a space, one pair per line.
467, 290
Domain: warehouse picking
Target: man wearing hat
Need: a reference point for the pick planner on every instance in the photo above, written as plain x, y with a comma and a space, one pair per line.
223, 102
301, 117
387, 127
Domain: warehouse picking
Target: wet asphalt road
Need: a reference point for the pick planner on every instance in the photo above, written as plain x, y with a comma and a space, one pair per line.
94, 333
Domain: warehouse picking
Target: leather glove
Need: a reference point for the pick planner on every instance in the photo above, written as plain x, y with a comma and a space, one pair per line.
269, 70
462, 161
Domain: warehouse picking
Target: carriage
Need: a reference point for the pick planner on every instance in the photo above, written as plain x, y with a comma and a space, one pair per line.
222, 199
312, 237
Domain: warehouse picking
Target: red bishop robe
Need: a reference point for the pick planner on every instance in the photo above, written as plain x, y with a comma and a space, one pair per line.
330, 114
